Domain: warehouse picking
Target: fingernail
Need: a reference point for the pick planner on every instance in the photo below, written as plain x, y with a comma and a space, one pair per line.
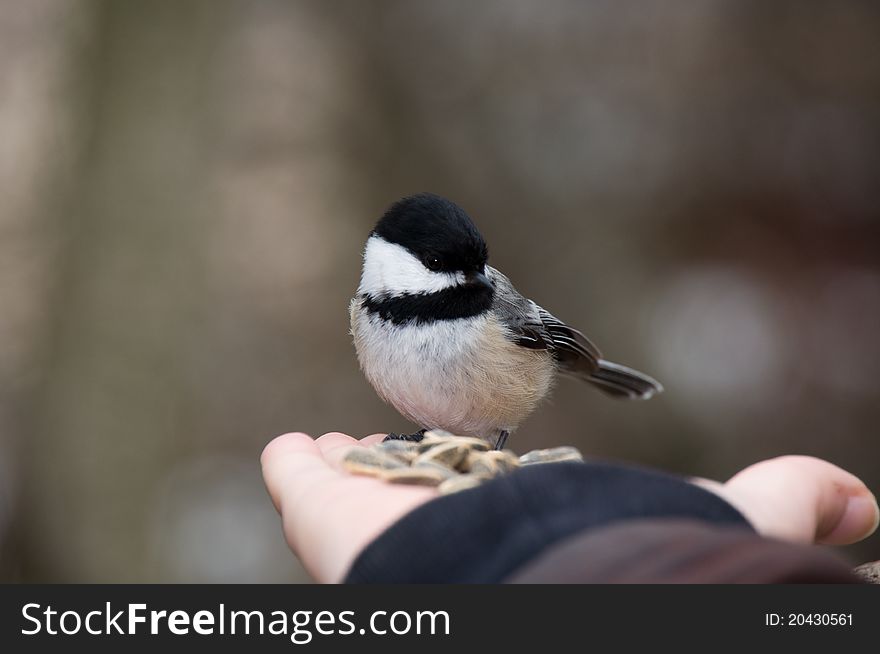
860, 519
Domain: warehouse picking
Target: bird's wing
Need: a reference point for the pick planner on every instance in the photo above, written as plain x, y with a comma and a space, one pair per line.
536, 328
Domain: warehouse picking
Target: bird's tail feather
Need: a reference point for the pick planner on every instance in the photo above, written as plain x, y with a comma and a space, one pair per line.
624, 382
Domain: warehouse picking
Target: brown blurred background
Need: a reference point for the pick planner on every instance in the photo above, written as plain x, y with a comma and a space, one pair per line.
186, 188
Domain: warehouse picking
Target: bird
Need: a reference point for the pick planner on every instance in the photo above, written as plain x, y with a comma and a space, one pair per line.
448, 341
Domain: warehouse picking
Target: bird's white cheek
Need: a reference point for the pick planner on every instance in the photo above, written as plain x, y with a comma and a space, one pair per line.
390, 269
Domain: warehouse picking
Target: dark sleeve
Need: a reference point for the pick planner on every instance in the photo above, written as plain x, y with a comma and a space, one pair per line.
487, 534
677, 551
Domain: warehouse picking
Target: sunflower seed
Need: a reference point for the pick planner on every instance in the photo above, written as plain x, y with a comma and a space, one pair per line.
404, 450
450, 454
492, 463
419, 476
459, 483
446, 471
870, 572
552, 455
370, 461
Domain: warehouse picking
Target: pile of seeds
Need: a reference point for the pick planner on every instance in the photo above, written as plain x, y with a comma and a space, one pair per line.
451, 463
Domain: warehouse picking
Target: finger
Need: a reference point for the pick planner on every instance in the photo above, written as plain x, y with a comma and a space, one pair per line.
291, 464
803, 499
373, 439
334, 439
334, 446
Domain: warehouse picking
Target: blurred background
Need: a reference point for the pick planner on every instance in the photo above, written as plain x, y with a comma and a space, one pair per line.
186, 188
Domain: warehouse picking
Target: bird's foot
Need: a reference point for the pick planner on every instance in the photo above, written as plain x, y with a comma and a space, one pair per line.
502, 439
414, 438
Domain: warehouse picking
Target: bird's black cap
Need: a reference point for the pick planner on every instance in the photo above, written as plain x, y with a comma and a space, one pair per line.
430, 226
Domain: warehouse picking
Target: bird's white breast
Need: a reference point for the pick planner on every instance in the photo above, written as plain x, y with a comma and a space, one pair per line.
462, 375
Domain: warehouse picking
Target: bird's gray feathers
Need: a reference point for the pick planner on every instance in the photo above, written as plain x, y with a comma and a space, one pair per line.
536, 328
620, 381
533, 327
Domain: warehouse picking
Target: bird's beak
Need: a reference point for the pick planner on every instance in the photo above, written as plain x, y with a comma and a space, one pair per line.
479, 279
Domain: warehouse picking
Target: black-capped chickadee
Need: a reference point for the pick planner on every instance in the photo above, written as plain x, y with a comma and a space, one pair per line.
449, 342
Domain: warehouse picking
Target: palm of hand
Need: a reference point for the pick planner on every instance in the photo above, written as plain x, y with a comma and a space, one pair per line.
329, 516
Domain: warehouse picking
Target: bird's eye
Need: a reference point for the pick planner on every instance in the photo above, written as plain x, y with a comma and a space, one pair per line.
433, 262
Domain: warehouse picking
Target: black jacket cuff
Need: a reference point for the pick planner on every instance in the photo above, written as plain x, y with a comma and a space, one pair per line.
485, 534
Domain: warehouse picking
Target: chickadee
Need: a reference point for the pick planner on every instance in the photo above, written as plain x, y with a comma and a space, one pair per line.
449, 342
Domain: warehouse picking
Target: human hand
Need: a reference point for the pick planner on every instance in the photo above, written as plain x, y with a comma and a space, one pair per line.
329, 516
